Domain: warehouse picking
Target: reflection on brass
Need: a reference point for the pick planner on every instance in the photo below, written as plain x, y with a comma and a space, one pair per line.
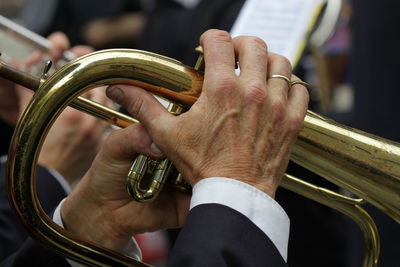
161, 171
366, 165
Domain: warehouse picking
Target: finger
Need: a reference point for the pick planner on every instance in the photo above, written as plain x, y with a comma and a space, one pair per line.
32, 59
59, 43
278, 65
24, 96
81, 50
170, 197
219, 55
143, 106
253, 57
99, 96
297, 103
87, 94
124, 144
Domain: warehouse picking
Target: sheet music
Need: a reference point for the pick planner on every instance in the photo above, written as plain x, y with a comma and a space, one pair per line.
282, 24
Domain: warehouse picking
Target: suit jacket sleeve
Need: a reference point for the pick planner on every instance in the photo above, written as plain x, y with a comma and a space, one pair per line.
216, 235
12, 234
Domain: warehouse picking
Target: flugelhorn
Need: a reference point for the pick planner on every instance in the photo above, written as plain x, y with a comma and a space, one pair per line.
366, 165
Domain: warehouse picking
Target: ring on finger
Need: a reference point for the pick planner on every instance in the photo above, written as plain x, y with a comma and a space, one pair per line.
290, 83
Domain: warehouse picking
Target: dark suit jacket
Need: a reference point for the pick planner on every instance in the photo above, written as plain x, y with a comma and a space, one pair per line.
213, 235
12, 235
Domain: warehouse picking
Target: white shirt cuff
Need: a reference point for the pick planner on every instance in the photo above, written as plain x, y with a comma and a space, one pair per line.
131, 250
259, 207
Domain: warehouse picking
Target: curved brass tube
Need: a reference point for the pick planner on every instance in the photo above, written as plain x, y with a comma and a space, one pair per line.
364, 164
158, 74
348, 206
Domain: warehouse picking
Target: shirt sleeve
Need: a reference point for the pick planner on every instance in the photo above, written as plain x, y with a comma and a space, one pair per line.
130, 250
256, 205
260, 208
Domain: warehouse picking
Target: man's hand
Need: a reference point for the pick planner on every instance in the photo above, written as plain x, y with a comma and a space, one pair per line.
241, 127
74, 140
101, 198
13, 97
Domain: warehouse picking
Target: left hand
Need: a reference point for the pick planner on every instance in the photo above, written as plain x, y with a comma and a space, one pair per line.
101, 198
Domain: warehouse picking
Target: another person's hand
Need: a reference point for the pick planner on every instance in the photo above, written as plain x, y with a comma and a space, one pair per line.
118, 31
74, 140
14, 98
241, 127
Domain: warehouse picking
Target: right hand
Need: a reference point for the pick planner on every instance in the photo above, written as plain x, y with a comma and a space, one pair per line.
241, 127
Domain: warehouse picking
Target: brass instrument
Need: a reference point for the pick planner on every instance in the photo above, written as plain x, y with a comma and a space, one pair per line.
366, 165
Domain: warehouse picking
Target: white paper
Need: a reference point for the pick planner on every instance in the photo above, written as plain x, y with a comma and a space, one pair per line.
282, 24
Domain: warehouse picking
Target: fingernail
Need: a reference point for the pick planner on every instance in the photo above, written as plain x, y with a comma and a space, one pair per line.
154, 149
115, 93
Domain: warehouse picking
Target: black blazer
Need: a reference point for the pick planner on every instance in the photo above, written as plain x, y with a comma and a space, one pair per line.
213, 235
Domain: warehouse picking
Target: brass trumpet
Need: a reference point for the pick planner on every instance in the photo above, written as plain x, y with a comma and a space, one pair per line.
366, 165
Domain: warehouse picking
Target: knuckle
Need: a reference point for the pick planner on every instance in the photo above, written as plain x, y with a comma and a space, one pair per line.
216, 36
278, 106
135, 107
259, 43
284, 64
283, 61
137, 137
112, 135
225, 84
296, 123
254, 41
255, 92
303, 91
72, 117
88, 131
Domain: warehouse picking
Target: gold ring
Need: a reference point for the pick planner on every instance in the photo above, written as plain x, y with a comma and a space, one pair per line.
299, 82
282, 77
290, 83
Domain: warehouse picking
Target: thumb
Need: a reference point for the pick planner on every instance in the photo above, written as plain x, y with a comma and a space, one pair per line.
144, 107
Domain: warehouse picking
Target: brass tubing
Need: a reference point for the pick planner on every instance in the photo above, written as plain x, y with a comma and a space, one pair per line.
80, 103
17, 76
382, 154
348, 206
101, 112
366, 165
